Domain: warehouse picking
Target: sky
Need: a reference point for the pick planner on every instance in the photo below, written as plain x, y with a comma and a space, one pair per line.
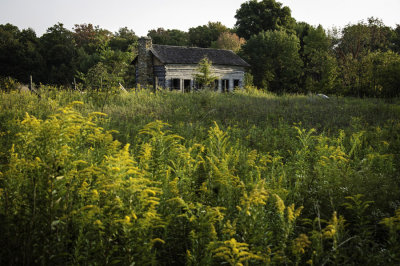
144, 15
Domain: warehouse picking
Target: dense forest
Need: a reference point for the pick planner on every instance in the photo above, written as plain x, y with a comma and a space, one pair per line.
285, 55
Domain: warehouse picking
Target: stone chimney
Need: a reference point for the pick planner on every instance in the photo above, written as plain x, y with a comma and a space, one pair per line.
145, 64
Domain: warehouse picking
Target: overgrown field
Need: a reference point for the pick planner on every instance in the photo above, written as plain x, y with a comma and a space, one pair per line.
198, 179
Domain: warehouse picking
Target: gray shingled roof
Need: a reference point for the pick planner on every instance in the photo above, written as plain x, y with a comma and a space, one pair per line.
191, 55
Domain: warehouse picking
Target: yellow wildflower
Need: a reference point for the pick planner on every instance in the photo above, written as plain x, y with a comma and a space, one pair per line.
279, 204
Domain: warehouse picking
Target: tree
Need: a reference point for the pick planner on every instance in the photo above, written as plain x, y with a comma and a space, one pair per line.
32, 62
205, 78
361, 38
354, 44
97, 77
124, 40
19, 53
320, 67
85, 37
229, 41
105, 76
9, 50
58, 51
169, 37
275, 60
254, 17
302, 29
382, 75
203, 36
395, 39
109, 71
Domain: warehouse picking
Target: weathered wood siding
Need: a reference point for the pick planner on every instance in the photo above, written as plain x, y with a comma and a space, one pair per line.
159, 73
187, 72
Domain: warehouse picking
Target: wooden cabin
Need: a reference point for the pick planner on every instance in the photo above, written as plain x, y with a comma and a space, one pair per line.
174, 67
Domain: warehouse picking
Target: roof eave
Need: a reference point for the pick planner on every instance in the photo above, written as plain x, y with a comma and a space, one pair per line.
154, 52
236, 65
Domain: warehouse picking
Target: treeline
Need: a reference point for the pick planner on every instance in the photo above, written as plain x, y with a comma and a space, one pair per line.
60, 55
88, 53
285, 55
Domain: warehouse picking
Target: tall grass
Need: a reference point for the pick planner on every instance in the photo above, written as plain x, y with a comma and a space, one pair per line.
198, 179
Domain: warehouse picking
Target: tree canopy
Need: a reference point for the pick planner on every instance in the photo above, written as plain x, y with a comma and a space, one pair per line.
169, 37
203, 36
254, 17
359, 59
229, 41
275, 60
205, 78
60, 55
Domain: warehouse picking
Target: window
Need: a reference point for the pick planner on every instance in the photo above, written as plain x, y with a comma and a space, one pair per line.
236, 83
216, 82
176, 84
225, 85
186, 85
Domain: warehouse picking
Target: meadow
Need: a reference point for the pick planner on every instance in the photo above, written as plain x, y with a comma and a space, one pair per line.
245, 178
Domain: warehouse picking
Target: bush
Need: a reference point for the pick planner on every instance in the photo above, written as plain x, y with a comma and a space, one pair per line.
8, 84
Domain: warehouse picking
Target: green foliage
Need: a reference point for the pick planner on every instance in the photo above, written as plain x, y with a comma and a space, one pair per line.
8, 84
57, 56
320, 69
205, 77
87, 37
359, 60
358, 70
229, 41
125, 40
71, 189
385, 82
395, 39
169, 37
254, 17
235, 253
275, 61
360, 38
19, 53
204, 36
233, 179
57, 48
248, 80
